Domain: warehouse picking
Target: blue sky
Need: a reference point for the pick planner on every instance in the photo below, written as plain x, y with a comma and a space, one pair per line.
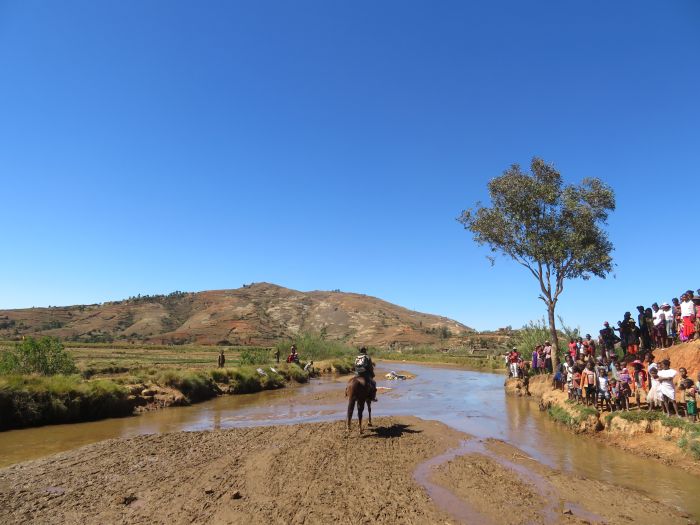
152, 146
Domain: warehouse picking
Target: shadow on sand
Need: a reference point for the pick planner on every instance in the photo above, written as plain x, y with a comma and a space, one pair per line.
392, 431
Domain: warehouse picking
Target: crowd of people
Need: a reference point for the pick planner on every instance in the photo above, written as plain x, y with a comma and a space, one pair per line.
618, 369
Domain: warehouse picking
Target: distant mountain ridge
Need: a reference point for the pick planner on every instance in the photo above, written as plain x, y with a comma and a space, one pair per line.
256, 314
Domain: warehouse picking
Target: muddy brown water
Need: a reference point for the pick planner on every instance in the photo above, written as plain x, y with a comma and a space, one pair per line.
472, 402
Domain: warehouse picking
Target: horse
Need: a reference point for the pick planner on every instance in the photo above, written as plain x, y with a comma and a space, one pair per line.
358, 391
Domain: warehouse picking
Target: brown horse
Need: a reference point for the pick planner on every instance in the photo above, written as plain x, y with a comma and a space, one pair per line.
358, 391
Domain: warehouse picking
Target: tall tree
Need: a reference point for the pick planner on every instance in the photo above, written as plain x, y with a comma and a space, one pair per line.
554, 230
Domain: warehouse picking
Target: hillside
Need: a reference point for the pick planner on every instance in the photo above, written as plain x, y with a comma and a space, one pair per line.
257, 314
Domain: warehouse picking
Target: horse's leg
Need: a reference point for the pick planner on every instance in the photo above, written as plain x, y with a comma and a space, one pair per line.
360, 409
351, 409
369, 413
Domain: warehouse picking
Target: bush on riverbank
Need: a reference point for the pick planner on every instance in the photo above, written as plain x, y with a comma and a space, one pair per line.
315, 348
45, 356
36, 400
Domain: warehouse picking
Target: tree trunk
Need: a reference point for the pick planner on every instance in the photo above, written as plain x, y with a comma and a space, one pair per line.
553, 335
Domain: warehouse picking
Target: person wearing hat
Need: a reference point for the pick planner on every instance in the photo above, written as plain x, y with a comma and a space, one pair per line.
364, 367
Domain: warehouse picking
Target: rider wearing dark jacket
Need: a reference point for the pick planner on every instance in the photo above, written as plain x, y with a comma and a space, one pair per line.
364, 367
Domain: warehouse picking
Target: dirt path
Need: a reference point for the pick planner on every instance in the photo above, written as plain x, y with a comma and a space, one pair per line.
312, 473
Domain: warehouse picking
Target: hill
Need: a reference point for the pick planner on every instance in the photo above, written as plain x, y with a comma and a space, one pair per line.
257, 314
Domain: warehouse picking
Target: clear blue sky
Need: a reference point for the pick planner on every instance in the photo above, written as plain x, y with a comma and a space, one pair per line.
152, 146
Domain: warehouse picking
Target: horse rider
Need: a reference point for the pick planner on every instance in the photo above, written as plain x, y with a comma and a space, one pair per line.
364, 367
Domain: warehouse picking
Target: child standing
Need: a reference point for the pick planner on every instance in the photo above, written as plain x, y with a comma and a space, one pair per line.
526, 379
683, 373
690, 392
576, 382
654, 395
639, 383
588, 381
604, 390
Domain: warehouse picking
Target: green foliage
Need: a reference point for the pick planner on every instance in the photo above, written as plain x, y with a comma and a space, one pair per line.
694, 447
45, 356
554, 230
314, 348
586, 412
255, 356
38, 400
559, 414
529, 336
91, 369
196, 386
567, 331
639, 416
292, 372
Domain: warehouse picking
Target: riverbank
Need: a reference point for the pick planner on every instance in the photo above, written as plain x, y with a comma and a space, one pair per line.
475, 362
309, 473
670, 440
33, 400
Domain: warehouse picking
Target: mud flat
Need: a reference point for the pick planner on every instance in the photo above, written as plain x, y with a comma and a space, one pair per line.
404, 470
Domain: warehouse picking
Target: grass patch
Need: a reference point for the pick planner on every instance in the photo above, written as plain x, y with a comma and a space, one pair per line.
336, 366
586, 412
256, 356
196, 386
560, 415
35, 400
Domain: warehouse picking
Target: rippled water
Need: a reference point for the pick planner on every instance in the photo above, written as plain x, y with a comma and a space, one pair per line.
473, 402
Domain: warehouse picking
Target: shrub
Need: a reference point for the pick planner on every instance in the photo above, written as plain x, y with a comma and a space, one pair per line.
45, 356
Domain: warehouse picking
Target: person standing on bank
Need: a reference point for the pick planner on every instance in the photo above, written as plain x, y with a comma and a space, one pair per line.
548, 357
222, 359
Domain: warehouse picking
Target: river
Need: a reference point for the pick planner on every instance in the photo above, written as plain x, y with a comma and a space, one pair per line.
473, 402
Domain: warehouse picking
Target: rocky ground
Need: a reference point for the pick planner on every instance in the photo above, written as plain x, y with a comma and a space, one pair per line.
311, 473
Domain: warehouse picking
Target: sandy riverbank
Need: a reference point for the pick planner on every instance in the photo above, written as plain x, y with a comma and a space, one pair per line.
311, 473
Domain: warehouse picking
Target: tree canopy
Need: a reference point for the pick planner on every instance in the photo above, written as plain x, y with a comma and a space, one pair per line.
555, 230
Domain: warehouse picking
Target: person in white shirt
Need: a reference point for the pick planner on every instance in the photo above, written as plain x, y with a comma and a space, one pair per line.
654, 395
667, 388
670, 324
659, 320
